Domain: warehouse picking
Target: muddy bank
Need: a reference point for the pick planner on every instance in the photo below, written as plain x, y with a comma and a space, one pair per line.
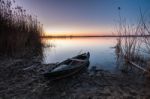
22, 79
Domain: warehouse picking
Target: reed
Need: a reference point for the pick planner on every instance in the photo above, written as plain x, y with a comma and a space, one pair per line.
145, 30
128, 48
20, 33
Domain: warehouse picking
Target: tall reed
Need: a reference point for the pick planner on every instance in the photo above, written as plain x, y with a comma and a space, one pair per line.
145, 30
128, 46
19, 32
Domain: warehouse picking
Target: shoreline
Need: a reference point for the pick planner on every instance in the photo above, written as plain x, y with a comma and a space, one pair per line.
22, 78
90, 36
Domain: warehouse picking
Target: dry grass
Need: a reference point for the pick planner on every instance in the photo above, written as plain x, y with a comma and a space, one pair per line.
128, 47
145, 30
135, 49
19, 32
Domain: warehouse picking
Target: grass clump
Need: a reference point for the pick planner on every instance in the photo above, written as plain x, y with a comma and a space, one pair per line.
133, 45
20, 33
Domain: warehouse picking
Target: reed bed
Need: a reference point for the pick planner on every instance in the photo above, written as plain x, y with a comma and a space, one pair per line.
145, 30
131, 49
128, 46
20, 33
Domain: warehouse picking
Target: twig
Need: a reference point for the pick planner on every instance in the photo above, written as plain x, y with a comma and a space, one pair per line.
139, 67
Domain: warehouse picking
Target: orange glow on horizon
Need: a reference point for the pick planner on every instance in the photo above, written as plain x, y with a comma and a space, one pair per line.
71, 34
76, 32
80, 41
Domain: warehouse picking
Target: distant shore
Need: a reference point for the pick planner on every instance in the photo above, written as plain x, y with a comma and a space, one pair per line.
95, 36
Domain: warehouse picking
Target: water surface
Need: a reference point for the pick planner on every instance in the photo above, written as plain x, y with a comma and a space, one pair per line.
101, 52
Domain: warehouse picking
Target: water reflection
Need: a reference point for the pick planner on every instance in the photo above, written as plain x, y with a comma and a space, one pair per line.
102, 54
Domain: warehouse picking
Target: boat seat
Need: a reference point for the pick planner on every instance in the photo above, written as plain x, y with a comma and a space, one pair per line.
78, 60
60, 67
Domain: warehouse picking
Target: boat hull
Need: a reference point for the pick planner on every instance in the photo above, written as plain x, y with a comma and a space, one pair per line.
66, 73
69, 71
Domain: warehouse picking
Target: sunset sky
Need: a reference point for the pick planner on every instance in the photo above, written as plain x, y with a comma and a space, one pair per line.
83, 17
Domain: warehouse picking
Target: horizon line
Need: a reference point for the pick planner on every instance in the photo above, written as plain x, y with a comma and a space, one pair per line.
63, 36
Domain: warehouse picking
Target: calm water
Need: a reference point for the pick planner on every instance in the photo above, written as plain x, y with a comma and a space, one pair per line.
102, 54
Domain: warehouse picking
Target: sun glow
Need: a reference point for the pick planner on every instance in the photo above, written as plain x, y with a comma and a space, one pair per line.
77, 31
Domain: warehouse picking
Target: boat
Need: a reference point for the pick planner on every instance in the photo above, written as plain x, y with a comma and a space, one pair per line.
69, 67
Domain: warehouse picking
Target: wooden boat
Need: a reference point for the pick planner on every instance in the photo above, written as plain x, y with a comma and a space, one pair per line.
69, 67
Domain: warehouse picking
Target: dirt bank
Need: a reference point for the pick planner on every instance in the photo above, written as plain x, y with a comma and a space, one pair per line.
21, 79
